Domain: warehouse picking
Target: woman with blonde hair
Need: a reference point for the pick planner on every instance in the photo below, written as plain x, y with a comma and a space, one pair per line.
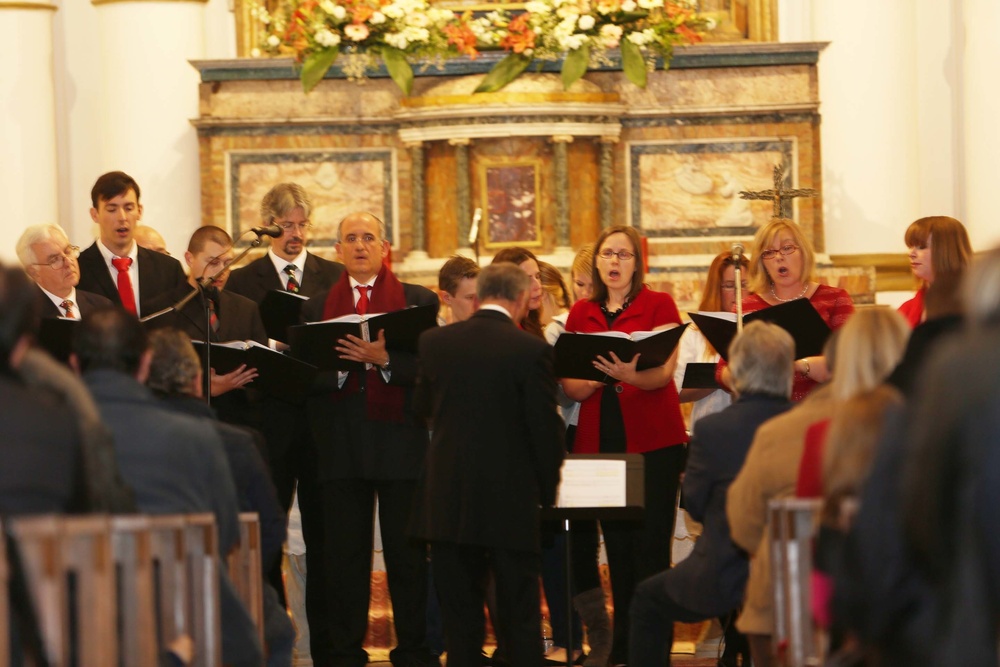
782, 268
937, 245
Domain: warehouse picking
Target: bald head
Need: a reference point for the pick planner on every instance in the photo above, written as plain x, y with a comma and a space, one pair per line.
362, 245
149, 238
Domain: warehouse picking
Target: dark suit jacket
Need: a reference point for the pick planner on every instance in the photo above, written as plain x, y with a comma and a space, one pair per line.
40, 449
390, 450
259, 277
711, 581
87, 302
158, 273
497, 442
239, 318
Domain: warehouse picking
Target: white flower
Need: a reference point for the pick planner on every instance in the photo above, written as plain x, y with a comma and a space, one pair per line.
338, 13
377, 18
536, 7
356, 32
328, 6
637, 38
572, 42
273, 41
586, 22
396, 39
255, 52
414, 34
650, 4
628, 6
326, 38
611, 34
440, 15
419, 20
393, 11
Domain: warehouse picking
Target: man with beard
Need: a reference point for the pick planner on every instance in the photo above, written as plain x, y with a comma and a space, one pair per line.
115, 266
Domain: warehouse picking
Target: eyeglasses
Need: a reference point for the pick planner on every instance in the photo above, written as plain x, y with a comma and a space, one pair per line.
288, 226
623, 255
784, 250
730, 285
366, 239
58, 262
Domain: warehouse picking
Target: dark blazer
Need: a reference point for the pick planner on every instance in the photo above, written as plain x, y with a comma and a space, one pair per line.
394, 450
497, 443
42, 469
87, 302
239, 317
158, 273
711, 581
259, 277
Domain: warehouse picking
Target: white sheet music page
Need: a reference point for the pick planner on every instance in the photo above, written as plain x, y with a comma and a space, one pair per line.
592, 483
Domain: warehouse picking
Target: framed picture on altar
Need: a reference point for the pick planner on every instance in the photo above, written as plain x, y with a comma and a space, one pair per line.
338, 182
509, 190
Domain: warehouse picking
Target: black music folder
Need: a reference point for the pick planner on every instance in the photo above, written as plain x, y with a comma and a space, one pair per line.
575, 352
55, 336
314, 342
280, 310
278, 374
797, 317
699, 376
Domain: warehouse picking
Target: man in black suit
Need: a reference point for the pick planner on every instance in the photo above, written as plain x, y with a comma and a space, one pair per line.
291, 452
370, 444
712, 580
287, 264
494, 460
115, 264
51, 262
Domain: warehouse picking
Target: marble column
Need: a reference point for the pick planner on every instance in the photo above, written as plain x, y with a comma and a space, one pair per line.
559, 144
463, 196
150, 93
28, 159
606, 181
981, 109
419, 230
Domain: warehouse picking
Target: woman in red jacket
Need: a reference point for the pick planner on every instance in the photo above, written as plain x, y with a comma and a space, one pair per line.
637, 412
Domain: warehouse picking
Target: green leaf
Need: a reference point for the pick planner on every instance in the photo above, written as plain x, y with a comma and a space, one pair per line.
399, 68
504, 72
575, 65
316, 66
633, 64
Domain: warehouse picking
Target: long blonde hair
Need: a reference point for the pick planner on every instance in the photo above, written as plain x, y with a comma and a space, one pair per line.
869, 347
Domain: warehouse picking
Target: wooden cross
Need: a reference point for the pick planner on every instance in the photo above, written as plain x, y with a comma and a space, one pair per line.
779, 195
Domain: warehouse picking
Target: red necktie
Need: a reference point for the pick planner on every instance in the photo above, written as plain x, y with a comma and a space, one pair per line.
67, 305
293, 284
213, 315
125, 292
362, 305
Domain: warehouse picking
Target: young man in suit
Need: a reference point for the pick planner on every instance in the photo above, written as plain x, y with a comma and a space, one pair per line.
51, 262
489, 390
115, 266
287, 264
370, 444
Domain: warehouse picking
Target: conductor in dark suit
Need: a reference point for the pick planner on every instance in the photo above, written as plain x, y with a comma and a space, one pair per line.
497, 447
115, 266
370, 444
711, 581
51, 262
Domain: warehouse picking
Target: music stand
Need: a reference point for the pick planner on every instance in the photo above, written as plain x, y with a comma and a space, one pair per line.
595, 487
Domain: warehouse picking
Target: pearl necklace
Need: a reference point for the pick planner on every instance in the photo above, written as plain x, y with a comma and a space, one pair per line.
801, 294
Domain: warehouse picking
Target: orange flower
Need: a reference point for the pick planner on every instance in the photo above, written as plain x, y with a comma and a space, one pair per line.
687, 33
519, 37
461, 36
361, 13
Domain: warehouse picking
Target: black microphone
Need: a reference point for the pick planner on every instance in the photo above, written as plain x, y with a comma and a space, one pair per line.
274, 231
737, 252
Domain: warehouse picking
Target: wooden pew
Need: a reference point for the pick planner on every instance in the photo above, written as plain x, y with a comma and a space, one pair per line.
246, 571
131, 540
202, 549
797, 641
71, 573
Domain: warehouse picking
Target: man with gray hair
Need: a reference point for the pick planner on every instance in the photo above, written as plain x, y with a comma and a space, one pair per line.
710, 582
497, 447
51, 262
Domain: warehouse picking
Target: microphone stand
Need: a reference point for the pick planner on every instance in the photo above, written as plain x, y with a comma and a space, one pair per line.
738, 275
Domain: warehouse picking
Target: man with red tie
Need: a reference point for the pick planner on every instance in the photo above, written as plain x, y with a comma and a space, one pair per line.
371, 445
51, 262
115, 266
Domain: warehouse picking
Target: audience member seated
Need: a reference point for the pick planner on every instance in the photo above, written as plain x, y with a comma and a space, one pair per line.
175, 463
175, 376
711, 581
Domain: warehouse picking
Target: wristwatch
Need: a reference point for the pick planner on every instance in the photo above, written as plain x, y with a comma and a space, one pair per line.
386, 367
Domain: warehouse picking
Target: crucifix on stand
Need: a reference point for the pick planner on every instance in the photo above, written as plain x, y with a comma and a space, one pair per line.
780, 196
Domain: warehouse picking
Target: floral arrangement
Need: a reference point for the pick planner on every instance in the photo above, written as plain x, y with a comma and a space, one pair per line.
579, 32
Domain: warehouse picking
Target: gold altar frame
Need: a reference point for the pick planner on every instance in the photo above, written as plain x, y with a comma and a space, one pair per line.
494, 217
757, 19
